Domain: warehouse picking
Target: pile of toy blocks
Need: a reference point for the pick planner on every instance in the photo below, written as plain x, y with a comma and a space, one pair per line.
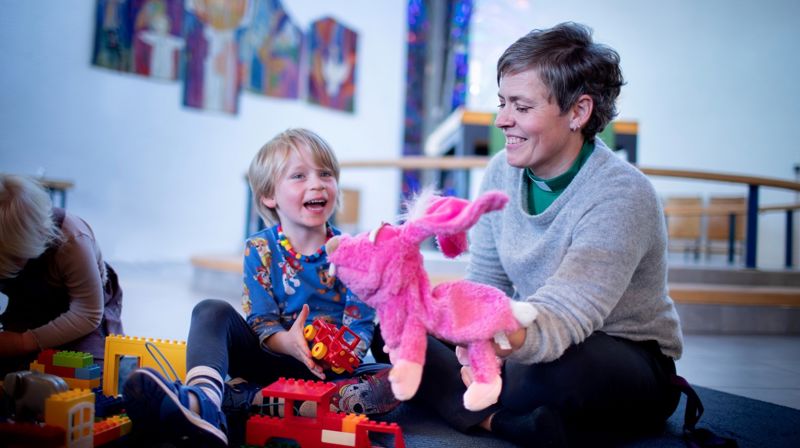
76, 368
79, 417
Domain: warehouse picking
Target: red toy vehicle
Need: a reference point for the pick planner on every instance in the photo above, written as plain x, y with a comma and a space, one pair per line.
325, 429
333, 347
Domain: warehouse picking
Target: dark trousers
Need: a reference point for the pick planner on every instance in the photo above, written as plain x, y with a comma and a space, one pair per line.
603, 388
220, 338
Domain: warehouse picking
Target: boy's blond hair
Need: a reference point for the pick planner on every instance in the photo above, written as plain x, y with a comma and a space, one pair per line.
26, 217
270, 162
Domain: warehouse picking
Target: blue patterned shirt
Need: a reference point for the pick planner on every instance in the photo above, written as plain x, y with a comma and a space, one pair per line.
276, 285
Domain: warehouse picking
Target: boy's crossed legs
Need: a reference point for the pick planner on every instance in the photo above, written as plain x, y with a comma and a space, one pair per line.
220, 341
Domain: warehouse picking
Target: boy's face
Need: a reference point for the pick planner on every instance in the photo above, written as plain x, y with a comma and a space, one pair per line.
305, 194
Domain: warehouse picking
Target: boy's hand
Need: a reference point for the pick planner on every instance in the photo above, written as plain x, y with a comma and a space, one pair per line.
294, 344
15, 344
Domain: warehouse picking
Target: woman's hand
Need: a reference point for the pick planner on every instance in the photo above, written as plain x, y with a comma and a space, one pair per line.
515, 338
294, 344
16, 344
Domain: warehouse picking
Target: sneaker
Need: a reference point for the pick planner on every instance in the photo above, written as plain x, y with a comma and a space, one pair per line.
240, 397
159, 407
368, 393
239, 400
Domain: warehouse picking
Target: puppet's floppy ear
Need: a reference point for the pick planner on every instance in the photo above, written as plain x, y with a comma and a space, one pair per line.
453, 245
449, 218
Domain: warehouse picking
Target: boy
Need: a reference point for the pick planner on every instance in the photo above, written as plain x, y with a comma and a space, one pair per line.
286, 285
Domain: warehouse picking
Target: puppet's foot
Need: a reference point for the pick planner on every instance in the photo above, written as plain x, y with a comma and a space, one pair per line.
405, 378
482, 395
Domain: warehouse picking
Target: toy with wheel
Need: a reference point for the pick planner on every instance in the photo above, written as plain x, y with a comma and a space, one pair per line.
333, 347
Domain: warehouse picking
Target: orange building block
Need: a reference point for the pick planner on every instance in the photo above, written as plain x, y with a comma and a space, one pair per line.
351, 420
77, 383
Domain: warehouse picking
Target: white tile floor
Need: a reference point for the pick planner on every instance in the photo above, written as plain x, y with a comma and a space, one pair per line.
762, 367
158, 300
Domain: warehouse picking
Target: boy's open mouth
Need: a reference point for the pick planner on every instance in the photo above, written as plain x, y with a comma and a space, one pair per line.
315, 204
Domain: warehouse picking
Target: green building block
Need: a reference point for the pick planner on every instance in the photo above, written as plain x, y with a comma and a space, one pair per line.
72, 359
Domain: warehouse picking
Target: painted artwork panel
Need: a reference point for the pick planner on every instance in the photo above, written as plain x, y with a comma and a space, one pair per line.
332, 72
270, 51
211, 64
157, 38
112, 37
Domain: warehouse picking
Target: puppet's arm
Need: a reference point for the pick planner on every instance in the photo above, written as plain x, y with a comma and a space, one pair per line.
408, 359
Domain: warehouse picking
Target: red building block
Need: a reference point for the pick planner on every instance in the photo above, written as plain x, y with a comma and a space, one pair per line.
24, 435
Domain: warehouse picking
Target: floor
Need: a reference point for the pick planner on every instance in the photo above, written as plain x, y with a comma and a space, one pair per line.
159, 299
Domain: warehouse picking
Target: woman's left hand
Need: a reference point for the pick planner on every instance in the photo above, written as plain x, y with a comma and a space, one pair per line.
515, 338
15, 344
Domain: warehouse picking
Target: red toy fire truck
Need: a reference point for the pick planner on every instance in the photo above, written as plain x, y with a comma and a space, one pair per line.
333, 347
326, 429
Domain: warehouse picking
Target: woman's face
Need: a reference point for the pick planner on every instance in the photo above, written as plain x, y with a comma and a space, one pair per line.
538, 135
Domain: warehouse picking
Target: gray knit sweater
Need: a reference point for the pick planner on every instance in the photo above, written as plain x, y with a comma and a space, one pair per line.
595, 260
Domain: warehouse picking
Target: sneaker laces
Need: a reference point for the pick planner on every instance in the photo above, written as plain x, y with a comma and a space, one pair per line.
153, 348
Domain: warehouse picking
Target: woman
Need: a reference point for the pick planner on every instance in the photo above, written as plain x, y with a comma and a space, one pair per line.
583, 240
60, 292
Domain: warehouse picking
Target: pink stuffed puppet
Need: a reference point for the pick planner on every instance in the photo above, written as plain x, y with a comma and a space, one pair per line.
384, 268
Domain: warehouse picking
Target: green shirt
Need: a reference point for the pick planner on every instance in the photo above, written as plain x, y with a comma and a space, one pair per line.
542, 192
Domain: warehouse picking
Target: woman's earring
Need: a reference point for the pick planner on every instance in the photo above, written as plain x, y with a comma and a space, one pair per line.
574, 127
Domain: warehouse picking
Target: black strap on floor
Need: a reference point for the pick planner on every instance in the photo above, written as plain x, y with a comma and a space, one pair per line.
697, 437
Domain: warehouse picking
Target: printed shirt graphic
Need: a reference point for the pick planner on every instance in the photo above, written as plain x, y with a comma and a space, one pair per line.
277, 285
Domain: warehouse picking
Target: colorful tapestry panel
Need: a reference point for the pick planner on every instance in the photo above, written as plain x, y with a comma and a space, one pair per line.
112, 38
157, 37
270, 51
211, 62
332, 63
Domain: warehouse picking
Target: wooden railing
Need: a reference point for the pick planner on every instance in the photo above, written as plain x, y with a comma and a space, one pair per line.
56, 188
754, 183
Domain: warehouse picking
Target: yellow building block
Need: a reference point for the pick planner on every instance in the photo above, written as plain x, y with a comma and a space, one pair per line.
118, 346
36, 367
72, 411
125, 424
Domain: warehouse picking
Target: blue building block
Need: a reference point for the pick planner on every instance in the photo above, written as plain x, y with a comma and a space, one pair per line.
105, 406
88, 373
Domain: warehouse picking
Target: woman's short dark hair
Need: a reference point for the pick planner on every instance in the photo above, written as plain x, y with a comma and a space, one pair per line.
570, 64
